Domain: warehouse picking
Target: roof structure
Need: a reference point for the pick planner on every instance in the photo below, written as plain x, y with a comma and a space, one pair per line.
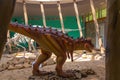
50, 6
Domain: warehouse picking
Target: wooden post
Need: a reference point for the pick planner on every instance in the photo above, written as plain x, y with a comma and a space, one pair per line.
6, 11
77, 17
92, 16
43, 14
60, 15
97, 26
25, 13
113, 40
9, 44
99, 13
26, 23
88, 17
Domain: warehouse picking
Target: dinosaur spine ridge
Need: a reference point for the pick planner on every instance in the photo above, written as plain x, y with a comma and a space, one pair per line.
37, 31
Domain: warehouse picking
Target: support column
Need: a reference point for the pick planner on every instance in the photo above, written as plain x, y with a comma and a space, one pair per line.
26, 23
60, 15
113, 40
99, 13
77, 17
43, 14
9, 44
7, 9
25, 13
96, 26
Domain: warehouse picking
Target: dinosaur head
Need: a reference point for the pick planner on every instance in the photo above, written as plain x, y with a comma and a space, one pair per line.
84, 44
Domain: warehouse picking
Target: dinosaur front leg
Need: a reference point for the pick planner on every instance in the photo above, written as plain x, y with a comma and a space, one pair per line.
43, 57
60, 61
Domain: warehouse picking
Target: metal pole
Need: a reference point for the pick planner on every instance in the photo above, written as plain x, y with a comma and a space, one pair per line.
43, 14
60, 15
77, 17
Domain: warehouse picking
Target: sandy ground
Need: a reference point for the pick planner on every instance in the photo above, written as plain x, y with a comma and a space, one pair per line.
26, 73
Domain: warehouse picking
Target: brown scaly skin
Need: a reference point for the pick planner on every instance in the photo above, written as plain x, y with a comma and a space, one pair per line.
51, 40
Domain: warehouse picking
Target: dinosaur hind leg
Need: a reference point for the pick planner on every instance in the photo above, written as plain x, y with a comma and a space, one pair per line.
43, 57
60, 61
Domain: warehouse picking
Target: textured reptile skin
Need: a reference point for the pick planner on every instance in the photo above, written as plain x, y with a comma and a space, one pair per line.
52, 41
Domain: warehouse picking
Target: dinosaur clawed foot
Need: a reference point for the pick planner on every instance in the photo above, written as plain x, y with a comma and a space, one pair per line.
39, 73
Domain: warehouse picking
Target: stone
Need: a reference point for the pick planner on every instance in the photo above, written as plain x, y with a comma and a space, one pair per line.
11, 67
26, 65
19, 66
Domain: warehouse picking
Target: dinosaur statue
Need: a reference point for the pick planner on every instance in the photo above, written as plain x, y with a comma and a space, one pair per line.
51, 40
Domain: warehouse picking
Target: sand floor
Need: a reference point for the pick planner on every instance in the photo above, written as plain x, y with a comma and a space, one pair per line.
26, 73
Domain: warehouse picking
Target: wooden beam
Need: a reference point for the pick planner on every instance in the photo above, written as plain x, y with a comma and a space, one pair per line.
101, 13
96, 26
99, 16
25, 13
88, 17
113, 40
60, 15
26, 23
100, 19
43, 14
77, 17
6, 11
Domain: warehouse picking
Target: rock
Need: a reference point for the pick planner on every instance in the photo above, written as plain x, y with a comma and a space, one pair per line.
19, 66
78, 75
31, 78
86, 72
54, 78
1, 69
11, 67
83, 74
26, 65
4, 66
90, 72
21, 60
